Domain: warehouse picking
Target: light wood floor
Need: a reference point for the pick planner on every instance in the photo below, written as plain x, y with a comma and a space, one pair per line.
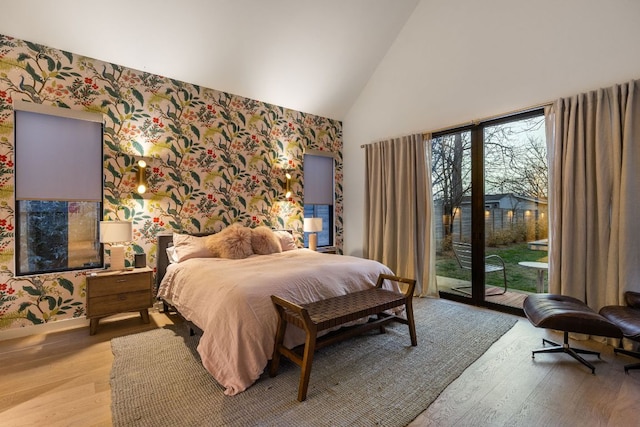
62, 379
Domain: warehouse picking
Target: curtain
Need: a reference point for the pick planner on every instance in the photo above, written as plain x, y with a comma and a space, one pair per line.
398, 209
594, 180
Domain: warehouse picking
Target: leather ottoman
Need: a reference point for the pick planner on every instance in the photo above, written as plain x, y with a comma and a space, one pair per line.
567, 314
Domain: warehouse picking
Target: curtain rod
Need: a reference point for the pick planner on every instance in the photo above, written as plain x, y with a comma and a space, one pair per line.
392, 137
485, 119
488, 118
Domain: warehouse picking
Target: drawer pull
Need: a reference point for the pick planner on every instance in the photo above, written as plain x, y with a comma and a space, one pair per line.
122, 297
121, 280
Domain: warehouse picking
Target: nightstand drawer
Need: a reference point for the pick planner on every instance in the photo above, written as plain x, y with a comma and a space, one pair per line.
110, 285
116, 303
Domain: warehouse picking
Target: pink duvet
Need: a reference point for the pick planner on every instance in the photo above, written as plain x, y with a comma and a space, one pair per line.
230, 301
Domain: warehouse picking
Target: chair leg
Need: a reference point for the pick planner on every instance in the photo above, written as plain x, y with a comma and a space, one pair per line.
462, 289
493, 294
565, 348
631, 353
504, 289
627, 368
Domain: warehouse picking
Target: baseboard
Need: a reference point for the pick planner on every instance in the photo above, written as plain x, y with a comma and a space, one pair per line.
45, 328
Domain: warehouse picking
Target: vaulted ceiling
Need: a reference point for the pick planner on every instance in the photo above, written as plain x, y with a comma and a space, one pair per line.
315, 56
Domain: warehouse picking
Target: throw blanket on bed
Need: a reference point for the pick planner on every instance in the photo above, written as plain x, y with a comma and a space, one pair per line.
230, 301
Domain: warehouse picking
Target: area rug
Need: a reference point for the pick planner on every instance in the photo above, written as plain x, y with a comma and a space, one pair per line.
157, 378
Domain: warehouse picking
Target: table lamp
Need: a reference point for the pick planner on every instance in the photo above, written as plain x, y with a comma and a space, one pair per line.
312, 225
115, 233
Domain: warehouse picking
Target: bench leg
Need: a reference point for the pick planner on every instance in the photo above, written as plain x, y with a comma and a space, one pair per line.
382, 329
408, 308
307, 361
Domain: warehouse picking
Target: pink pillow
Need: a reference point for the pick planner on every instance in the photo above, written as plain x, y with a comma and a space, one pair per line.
187, 246
264, 241
286, 240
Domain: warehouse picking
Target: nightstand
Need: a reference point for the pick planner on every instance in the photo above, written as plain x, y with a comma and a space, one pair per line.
114, 292
327, 250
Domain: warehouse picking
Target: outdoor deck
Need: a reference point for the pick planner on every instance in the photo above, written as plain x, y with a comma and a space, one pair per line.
511, 298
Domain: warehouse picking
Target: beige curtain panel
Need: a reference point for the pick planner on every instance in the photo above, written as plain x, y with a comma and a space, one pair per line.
398, 209
594, 180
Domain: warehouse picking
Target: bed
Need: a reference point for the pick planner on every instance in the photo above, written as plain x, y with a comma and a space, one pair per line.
229, 300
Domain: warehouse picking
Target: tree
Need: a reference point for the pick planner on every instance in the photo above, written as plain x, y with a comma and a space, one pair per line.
516, 159
451, 174
515, 162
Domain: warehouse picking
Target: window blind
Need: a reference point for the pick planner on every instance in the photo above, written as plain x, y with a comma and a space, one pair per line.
318, 179
58, 154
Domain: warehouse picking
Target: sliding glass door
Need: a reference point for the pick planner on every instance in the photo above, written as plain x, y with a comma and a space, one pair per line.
451, 175
490, 201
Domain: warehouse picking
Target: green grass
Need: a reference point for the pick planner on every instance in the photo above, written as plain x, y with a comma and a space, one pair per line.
518, 277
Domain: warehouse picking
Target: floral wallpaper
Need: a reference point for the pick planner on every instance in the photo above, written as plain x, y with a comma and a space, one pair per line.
214, 159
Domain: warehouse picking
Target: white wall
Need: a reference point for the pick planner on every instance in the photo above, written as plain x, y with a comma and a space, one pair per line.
456, 61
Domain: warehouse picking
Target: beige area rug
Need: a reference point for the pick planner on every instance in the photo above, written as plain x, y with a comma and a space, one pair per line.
376, 379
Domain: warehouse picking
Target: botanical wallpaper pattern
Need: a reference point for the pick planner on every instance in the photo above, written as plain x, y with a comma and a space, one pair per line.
214, 159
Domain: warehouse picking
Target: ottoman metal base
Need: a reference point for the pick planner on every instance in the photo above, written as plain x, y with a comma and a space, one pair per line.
565, 348
567, 314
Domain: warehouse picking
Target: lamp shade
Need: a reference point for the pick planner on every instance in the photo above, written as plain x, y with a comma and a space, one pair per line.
312, 225
116, 231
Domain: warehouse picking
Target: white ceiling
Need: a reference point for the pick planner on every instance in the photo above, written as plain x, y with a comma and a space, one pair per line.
314, 56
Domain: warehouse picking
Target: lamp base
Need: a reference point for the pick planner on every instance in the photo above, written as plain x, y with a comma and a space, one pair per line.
313, 241
117, 257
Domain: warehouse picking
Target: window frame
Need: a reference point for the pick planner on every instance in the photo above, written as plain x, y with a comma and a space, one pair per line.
478, 232
21, 235
331, 207
330, 228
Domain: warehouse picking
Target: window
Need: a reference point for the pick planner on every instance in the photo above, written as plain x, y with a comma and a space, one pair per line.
319, 193
325, 237
490, 190
58, 189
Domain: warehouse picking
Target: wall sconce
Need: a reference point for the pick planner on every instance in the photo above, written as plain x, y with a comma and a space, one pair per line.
287, 193
141, 176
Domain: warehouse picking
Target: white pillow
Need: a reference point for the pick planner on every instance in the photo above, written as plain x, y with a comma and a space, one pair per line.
188, 246
171, 255
286, 240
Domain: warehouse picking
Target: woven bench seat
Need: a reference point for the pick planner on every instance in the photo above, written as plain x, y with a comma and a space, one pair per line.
329, 313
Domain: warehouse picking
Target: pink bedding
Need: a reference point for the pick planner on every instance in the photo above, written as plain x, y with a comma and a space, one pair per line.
230, 301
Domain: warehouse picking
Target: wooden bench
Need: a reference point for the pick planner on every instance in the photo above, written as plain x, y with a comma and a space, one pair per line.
332, 312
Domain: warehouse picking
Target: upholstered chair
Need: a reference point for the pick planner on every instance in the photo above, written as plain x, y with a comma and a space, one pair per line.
628, 320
